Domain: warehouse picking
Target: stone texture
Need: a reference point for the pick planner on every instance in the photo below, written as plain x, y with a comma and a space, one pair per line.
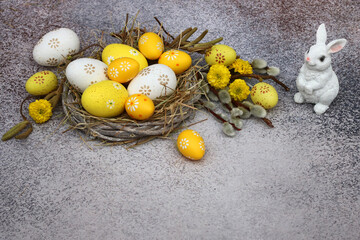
299, 180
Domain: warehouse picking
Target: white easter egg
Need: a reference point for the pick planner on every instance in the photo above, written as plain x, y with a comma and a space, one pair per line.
84, 72
154, 81
54, 47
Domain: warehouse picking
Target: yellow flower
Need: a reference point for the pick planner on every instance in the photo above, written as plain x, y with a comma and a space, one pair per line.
40, 110
242, 67
218, 76
238, 90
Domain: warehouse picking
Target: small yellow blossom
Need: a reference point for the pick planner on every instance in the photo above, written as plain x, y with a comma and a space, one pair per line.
242, 66
239, 90
218, 76
40, 110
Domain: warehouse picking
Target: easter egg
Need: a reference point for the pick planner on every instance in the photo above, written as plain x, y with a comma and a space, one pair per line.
117, 50
41, 83
123, 69
83, 72
177, 60
139, 107
53, 48
264, 94
154, 81
105, 99
191, 145
220, 54
151, 45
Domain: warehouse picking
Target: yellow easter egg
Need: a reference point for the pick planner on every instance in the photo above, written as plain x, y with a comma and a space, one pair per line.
264, 94
177, 60
139, 107
220, 54
191, 145
151, 45
41, 83
104, 99
117, 50
123, 69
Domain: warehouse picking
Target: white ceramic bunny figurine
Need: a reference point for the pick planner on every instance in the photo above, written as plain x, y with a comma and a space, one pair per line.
317, 82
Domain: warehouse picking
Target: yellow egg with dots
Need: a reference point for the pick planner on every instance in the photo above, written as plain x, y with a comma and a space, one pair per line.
104, 99
191, 145
264, 94
220, 54
151, 45
139, 107
178, 61
123, 69
118, 50
41, 83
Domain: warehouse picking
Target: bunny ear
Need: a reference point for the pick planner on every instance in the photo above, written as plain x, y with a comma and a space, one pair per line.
336, 45
321, 34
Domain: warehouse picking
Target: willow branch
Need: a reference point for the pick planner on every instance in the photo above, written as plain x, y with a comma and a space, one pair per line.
218, 116
257, 76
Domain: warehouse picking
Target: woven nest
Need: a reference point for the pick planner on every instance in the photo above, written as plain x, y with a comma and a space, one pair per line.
170, 111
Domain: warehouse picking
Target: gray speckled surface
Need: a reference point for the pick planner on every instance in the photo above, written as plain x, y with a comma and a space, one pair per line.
299, 180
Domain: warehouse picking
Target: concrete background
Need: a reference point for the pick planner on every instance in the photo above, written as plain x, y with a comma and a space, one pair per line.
299, 180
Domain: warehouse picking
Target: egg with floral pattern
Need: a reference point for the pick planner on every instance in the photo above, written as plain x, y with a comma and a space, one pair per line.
41, 83
264, 94
178, 61
151, 45
83, 72
139, 107
123, 69
154, 81
104, 99
54, 47
220, 54
191, 145
117, 50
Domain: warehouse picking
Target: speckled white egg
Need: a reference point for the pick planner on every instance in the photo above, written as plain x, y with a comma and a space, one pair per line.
84, 72
53, 48
154, 81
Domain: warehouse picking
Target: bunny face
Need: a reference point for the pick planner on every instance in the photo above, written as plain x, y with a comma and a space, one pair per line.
318, 57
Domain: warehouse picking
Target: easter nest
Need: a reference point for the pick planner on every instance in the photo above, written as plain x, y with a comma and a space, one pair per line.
170, 111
